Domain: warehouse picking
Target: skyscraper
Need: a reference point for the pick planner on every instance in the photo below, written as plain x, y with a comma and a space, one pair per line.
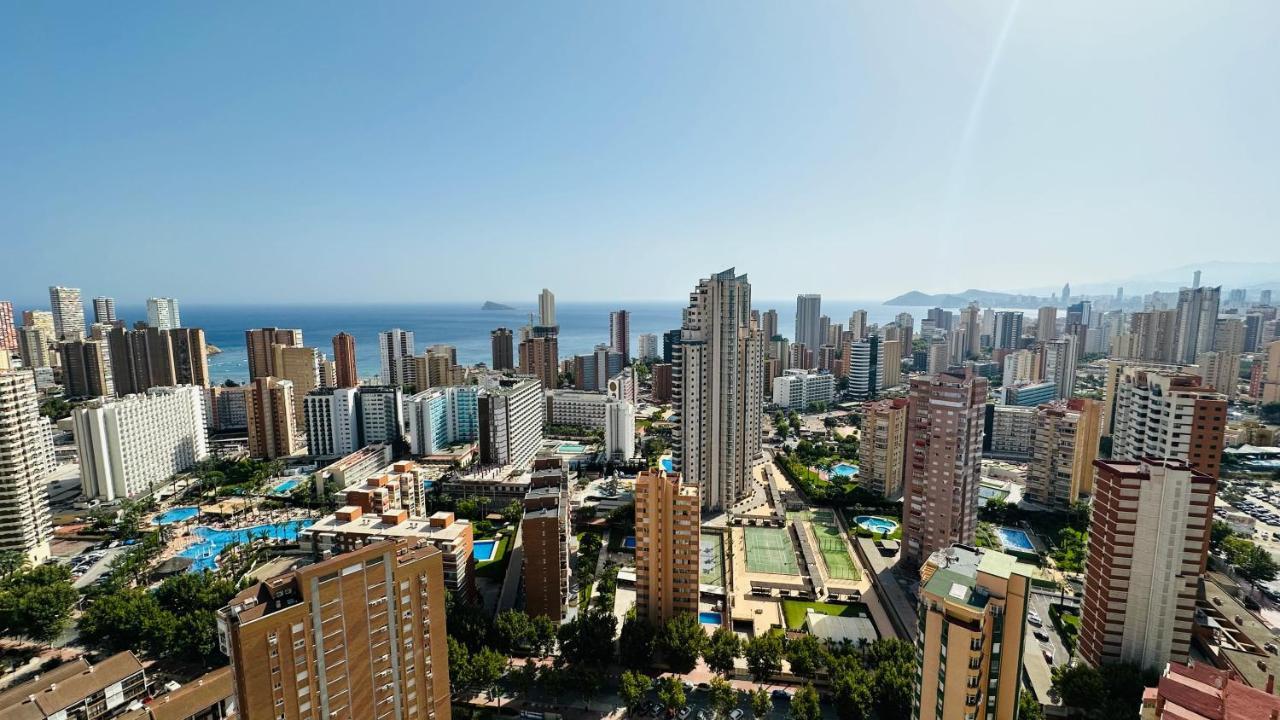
718, 386
344, 361
540, 357
301, 367
944, 460
1167, 414
104, 311
620, 334
86, 368
1197, 321
270, 416
667, 546
1046, 323
360, 636
1007, 334
547, 308
258, 344
1148, 538
1066, 293
163, 313
1059, 364
395, 348
1064, 444
808, 312
1220, 371
971, 629
26, 446
647, 347
502, 349
8, 333
866, 368
858, 324
512, 411
546, 529
884, 446
68, 313
769, 324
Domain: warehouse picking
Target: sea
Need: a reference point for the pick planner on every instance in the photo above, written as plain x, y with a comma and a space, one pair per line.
583, 325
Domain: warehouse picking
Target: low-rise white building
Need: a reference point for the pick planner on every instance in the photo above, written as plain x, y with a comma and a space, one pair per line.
129, 445
576, 407
798, 389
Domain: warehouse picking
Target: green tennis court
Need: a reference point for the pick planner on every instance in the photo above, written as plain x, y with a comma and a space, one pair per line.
832, 546
769, 550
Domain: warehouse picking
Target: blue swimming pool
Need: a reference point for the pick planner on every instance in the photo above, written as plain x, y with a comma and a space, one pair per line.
175, 515
571, 448
483, 550
211, 540
876, 524
286, 486
667, 465
629, 542
709, 618
845, 469
1014, 539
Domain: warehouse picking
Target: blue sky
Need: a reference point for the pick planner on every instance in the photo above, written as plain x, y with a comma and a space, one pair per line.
247, 152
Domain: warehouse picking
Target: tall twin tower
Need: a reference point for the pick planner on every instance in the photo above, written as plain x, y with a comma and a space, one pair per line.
718, 390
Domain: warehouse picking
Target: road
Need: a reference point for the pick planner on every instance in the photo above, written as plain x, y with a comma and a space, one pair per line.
1038, 669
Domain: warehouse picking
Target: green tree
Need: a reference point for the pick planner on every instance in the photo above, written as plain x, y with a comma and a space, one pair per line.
805, 654
524, 677
512, 630
1079, 686
637, 642
721, 650
542, 636
1220, 532
894, 663
722, 697
12, 561
459, 668
853, 688
804, 706
588, 638
513, 511
36, 603
761, 703
671, 692
1028, 707
764, 655
632, 686
682, 642
486, 669
1269, 413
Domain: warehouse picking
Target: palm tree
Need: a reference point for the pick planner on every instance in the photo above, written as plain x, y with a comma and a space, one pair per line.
13, 562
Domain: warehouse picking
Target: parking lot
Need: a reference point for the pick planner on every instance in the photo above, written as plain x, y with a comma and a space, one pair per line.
1038, 665
697, 706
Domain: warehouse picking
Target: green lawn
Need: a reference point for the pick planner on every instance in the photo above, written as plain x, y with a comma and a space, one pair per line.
795, 611
495, 567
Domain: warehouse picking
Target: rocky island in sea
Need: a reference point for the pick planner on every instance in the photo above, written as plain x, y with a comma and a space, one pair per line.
491, 305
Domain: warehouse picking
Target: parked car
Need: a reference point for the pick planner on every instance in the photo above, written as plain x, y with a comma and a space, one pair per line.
736, 714
1047, 649
685, 712
1034, 618
1041, 635
704, 686
780, 694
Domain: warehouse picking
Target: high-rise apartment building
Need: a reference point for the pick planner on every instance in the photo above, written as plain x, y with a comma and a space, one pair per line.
1007, 334
163, 313
359, 636
1148, 540
866, 368
973, 609
190, 356
661, 378
26, 459
938, 355
890, 364
258, 344
104, 311
225, 408
1020, 366
8, 332
971, 322
511, 414
769, 324
1058, 363
68, 313
270, 416
858, 324
906, 326
808, 315
540, 357
944, 459
396, 347
128, 446
301, 367
547, 309
1046, 323
620, 430
502, 349
1064, 444
620, 334
441, 417
718, 387
346, 374
668, 521
86, 368
884, 446
647, 347
340, 421
1229, 335
1167, 414
545, 530
1269, 387
1197, 321
150, 357
1220, 371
